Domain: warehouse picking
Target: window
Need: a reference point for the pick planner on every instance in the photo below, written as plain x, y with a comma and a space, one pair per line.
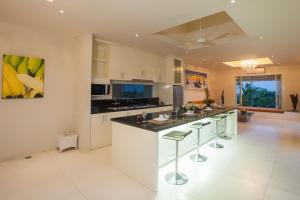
259, 91
124, 91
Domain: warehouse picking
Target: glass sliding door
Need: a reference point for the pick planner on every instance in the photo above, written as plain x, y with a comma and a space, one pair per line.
263, 91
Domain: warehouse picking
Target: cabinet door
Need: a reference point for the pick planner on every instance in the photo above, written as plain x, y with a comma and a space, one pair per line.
100, 131
123, 63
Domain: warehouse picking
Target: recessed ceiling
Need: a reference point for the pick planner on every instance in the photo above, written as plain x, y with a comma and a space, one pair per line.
211, 30
258, 61
119, 21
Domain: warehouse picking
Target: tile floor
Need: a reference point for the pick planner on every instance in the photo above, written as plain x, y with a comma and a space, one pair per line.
262, 163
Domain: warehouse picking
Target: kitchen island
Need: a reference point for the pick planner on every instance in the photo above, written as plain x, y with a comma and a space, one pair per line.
139, 150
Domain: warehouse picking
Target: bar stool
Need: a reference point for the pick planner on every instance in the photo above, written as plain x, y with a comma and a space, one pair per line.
198, 157
176, 178
225, 136
216, 144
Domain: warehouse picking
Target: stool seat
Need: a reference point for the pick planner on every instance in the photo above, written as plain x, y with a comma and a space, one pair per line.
176, 135
199, 124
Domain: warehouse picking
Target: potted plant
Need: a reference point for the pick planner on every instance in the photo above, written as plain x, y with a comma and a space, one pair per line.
244, 115
294, 99
222, 98
208, 101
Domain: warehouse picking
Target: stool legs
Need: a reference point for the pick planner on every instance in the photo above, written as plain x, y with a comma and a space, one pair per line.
216, 145
225, 136
176, 178
198, 157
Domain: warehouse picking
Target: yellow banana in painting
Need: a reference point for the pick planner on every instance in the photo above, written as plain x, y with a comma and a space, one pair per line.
14, 61
34, 64
30, 82
6, 92
14, 84
40, 72
22, 68
6, 59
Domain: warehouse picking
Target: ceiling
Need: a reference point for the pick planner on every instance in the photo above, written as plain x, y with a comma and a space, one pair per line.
276, 21
210, 30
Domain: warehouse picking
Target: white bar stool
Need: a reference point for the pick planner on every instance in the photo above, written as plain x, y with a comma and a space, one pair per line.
176, 178
216, 144
198, 157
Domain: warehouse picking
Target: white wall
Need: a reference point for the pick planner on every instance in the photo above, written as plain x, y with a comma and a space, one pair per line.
197, 95
83, 70
290, 83
28, 126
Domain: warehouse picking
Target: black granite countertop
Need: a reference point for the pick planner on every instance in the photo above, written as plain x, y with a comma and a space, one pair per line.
105, 110
177, 121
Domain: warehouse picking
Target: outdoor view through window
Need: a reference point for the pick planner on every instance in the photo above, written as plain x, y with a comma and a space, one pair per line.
259, 91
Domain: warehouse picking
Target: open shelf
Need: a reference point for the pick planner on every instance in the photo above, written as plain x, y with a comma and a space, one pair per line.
100, 59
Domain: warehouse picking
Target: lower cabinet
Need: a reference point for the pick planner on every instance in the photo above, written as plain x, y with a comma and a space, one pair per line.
101, 128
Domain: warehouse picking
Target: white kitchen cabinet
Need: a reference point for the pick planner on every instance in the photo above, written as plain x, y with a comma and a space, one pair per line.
174, 75
128, 63
101, 128
100, 131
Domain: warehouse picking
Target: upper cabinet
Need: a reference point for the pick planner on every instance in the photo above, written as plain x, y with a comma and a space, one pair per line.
174, 70
129, 63
117, 62
100, 60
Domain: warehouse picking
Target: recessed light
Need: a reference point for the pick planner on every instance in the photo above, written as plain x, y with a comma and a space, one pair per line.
50, 1
137, 35
261, 37
232, 1
62, 11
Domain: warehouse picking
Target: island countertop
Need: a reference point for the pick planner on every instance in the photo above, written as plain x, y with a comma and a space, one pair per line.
177, 121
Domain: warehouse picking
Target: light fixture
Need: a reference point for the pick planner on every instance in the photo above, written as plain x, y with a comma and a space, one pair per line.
137, 35
261, 37
50, 1
248, 64
232, 1
259, 61
62, 11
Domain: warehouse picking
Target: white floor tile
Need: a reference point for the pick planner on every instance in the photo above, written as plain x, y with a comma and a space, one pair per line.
261, 163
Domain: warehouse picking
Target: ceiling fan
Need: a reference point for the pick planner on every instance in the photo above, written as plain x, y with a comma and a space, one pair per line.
203, 39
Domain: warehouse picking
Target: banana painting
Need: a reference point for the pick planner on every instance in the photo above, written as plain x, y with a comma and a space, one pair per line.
23, 77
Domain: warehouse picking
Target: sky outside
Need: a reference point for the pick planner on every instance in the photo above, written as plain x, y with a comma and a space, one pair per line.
269, 85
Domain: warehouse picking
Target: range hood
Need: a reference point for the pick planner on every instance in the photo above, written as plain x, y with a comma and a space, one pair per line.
133, 81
